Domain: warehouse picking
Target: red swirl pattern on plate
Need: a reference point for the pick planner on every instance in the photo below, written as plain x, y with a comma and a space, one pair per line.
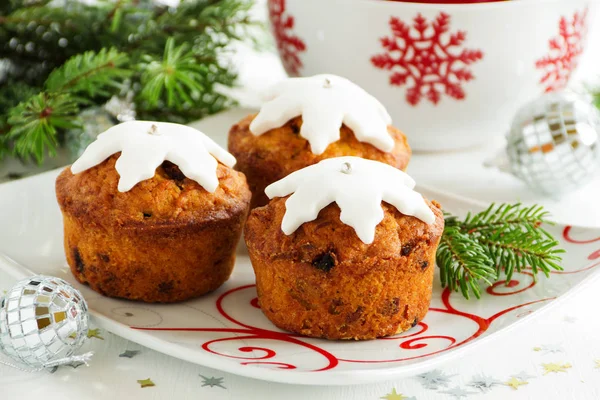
568, 238
512, 287
410, 341
409, 345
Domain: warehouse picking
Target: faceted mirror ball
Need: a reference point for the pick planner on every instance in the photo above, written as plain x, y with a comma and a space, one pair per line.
553, 144
42, 319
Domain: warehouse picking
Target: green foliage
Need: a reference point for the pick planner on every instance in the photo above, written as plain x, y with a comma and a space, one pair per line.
34, 123
13, 94
90, 73
463, 262
4, 147
495, 243
72, 57
177, 76
596, 96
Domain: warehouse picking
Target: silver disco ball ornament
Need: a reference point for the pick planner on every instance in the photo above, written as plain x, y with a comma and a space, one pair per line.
43, 321
553, 144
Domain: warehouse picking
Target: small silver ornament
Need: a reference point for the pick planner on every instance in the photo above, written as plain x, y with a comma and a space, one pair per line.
43, 321
122, 108
98, 119
553, 144
94, 121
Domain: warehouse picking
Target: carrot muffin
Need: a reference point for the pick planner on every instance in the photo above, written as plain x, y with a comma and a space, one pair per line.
289, 134
341, 274
141, 227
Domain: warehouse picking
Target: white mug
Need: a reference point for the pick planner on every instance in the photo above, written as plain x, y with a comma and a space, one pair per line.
450, 75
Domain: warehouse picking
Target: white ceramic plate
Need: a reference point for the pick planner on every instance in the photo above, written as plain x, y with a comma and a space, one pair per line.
226, 330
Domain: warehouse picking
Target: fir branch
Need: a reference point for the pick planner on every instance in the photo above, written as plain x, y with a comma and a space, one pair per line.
500, 240
50, 47
34, 123
90, 73
50, 34
175, 79
44, 16
463, 263
4, 143
596, 97
8, 6
506, 216
518, 249
14, 93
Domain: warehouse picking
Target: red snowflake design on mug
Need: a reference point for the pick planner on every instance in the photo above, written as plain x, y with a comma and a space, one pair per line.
565, 50
427, 58
288, 44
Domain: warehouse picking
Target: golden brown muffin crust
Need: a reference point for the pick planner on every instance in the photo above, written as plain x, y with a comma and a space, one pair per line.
165, 240
167, 199
269, 157
323, 281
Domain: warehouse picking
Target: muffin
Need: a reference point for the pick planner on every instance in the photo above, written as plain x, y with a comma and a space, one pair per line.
165, 239
322, 280
279, 145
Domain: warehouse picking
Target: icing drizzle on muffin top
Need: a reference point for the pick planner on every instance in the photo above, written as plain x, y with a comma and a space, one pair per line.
325, 102
357, 186
145, 145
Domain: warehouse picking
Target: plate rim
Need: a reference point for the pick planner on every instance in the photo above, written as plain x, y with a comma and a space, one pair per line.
312, 378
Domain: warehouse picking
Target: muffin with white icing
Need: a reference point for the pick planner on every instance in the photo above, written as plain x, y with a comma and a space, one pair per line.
152, 212
306, 120
344, 250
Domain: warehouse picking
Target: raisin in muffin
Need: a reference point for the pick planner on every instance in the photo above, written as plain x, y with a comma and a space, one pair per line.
323, 281
269, 157
167, 239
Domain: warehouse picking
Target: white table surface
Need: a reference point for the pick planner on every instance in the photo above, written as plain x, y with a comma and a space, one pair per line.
568, 335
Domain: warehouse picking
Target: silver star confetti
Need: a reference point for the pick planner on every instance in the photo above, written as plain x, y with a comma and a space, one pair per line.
129, 353
524, 376
75, 364
550, 348
457, 392
434, 379
483, 382
212, 381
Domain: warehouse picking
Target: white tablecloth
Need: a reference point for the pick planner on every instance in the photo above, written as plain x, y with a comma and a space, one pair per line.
568, 335
567, 338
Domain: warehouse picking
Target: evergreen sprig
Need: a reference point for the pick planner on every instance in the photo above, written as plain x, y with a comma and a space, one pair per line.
71, 56
596, 96
493, 244
93, 74
34, 123
177, 77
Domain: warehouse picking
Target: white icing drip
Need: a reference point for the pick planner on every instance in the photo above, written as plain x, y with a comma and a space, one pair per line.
357, 185
325, 102
144, 145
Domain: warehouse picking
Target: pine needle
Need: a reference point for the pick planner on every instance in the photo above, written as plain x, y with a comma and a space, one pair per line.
90, 73
177, 74
76, 55
495, 244
34, 123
